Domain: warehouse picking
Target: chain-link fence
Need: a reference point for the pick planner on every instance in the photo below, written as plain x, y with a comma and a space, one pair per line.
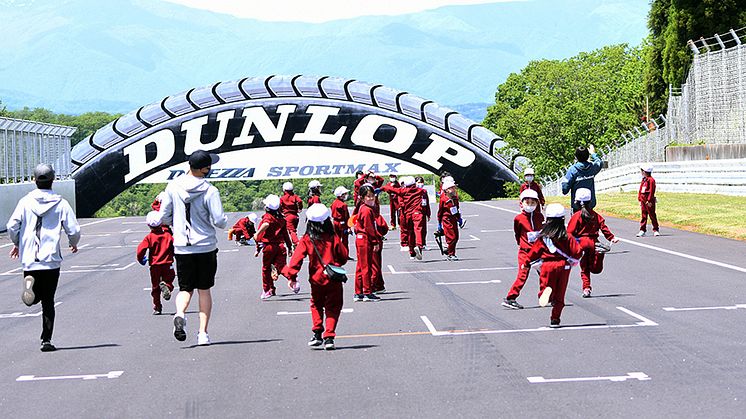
24, 144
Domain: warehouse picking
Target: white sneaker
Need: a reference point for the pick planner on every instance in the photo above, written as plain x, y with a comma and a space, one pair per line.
266, 295
203, 338
641, 234
656, 233
544, 299
418, 253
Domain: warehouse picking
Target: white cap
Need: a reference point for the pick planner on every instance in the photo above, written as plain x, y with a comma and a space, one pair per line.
153, 219
341, 190
529, 193
287, 186
318, 213
448, 184
448, 179
272, 202
407, 180
528, 171
648, 167
583, 195
314, 184
252, 217
555, 211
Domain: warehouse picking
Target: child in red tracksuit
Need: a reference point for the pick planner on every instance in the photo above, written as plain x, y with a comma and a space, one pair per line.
646, 196
243, 230
314, 193
290, 207
527, 226
326, 295
340, 215
393, 201
367, 243
559, 253
448, 218
421, 227
378, 286
273, 237
410, 204
159, 243
584, 225
528, 176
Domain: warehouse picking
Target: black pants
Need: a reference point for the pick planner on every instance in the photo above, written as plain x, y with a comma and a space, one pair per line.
45, 285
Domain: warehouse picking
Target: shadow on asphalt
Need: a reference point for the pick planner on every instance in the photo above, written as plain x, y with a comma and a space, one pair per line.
235, 342
343, 348
71, 348
394, 299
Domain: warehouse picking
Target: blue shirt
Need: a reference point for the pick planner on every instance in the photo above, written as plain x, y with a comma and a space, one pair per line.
581, 175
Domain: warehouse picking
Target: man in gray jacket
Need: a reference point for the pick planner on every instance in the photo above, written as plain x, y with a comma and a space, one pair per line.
34, 229
192, 206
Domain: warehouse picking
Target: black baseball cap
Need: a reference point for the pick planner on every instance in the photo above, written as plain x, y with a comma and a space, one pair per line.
201, 159
43, 173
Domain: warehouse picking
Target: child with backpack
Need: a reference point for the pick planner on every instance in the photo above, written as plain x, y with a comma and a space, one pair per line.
323, 247
157, 248
585, 225
527, 227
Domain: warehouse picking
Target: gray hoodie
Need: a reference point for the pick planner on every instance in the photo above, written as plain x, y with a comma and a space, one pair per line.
194, 233
35, 228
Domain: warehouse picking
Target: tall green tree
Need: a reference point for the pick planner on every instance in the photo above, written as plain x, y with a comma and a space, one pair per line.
87, 123
672, 23
552, 106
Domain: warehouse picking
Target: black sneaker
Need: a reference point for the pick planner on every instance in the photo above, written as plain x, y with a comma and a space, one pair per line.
371, 297
554, 323
315, 339
329, 344
179, 332
510, 303
28, 295
157, 311
46, 346
165, 292
357, 297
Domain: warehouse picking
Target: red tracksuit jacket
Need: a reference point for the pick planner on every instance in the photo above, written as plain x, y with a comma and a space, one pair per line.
313, 199
366, 224
160, 243
409, 197
290, 203
535, 186
331, 249
646, 193
340, 215
446, 208
245, 226
525, 222
577, 227
277, 231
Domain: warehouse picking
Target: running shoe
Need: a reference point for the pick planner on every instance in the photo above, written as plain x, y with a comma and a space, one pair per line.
586, 293
452, 258
371, 297
180, 328
641, 234
656, 233
157, 311
165, 291
329, 344
46, 346
418, 253
203, 339
357, 297
544, 299
266, 295
28, 295
554, 323
315, 339
511, 303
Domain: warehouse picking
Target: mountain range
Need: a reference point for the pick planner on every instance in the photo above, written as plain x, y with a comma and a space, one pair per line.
74, 56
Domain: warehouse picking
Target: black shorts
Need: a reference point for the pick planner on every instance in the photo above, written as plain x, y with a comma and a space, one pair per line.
196, 270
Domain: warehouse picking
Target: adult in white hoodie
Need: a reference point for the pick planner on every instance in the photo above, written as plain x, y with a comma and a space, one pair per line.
192, 206
35, 229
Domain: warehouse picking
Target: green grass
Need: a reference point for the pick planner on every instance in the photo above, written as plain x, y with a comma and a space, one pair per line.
717, 215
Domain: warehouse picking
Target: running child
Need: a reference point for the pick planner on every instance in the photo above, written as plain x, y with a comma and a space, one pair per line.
314, 192
367, 243
322, 247
274, 239
340, 215
290, 206
528, 176
448, 217
559, 253
421, 226
585, 225
158, 249
526, 226
393, 201
646, 196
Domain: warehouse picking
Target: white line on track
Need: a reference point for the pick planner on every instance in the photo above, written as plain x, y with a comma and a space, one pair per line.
494, 207
148, 289
474, 238
451, 270
100, 221
494, 281
470, 215
391, 268
684, 255
133, 222
83, 246
641, 376
504, 230
12, 272
96, 235
111, 265
290, 313
735, 307
6, 245
644, 322
109, 375
114, 247
21, 314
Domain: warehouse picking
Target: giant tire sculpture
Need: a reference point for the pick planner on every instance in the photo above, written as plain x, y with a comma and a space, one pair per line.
100, 165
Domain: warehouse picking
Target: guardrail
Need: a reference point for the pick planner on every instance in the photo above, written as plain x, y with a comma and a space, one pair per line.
24, 144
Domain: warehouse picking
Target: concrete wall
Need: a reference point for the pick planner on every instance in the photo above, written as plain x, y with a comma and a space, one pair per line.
705, 152
726, 177
13, 192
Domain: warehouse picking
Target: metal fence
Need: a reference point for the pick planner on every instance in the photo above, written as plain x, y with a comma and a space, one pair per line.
710, 108
24, 144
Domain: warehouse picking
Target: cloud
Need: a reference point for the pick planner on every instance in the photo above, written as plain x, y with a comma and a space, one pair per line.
322, 10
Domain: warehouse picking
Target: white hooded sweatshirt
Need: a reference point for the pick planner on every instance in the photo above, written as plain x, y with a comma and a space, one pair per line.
196, 233
35, 228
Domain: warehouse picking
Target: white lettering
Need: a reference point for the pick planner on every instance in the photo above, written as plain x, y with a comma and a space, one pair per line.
319, 116
137, 158
440, 148
256, 115
366, 129
194, 129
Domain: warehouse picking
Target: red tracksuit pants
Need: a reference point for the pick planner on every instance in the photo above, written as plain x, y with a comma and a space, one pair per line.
339, 230
272, 254
160, 273
377, 274
420, 228
450, 229
404, 227
587, 261
555, 274
364, 269
291, 221
326, 301
520, 279
393, 208
644, 219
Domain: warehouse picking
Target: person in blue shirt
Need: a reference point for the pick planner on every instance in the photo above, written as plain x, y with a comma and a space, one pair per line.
581, 175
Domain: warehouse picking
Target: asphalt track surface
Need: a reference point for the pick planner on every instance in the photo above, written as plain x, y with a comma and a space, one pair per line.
663, 336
